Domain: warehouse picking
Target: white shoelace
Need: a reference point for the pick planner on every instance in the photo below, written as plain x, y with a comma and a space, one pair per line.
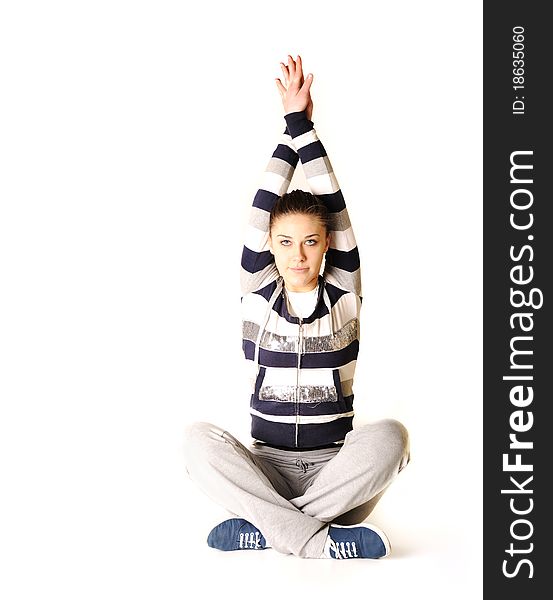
250, 540
340, 550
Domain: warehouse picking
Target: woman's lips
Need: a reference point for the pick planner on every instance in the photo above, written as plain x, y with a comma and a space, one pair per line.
299, 269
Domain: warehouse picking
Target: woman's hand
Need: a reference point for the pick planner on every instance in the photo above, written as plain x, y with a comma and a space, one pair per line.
295, 92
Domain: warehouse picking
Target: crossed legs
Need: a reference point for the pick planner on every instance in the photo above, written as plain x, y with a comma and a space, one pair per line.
344, 490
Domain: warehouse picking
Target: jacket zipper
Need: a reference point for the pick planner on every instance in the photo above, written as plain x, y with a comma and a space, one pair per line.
300, 345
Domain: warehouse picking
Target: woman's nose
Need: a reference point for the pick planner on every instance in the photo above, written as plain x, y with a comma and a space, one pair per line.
300, 253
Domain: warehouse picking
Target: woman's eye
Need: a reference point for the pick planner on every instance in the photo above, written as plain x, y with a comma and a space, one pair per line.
289, 242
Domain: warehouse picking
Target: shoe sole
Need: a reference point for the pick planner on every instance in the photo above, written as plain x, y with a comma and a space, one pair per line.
378, 531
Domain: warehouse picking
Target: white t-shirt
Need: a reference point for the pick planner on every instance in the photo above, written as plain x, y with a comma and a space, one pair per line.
302, 304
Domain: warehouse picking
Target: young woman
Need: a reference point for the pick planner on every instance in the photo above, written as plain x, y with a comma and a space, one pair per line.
309, 478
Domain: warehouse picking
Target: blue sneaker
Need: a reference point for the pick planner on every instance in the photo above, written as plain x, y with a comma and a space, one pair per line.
236, 534
356, 541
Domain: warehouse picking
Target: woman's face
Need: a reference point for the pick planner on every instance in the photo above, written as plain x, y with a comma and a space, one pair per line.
298, 243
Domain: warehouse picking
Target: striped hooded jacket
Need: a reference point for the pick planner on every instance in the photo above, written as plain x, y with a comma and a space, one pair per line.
302, 369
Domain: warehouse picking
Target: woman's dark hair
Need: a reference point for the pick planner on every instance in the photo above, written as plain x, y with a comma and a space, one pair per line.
299, 202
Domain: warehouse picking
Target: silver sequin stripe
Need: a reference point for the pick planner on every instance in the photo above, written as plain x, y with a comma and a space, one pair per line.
307, 393
311, 344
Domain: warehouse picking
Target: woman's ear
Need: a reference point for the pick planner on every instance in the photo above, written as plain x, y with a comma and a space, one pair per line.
327, 245
270, 244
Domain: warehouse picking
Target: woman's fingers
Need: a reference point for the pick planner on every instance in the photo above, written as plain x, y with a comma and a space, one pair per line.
299, 68
285, 73
294, 90
291, 67
281, 88
307, 83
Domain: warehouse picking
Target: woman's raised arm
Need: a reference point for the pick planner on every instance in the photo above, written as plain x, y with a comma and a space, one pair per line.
342, 265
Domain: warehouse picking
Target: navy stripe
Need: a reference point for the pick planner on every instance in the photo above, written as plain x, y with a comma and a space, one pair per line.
298, 123
348, 261
311, 151
249, 349
324, 408
253, 262
287, 154
331, 360
314, 360
334, 202
267, 407
315, 434
264, 199
267, 291
348, 402
277, 359
334, 293
283, 434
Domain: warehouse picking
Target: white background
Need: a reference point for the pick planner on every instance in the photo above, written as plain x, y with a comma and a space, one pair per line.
133, 138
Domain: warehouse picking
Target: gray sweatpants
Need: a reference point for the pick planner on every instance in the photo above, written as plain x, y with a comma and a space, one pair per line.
291, 496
